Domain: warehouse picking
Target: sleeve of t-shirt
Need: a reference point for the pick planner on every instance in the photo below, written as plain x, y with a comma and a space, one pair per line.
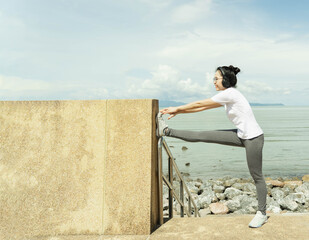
223, 97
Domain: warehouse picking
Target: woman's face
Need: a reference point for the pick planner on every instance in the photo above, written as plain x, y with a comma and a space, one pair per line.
218, 81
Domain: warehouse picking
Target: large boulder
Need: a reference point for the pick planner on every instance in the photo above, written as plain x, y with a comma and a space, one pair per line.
218, 208
233, 205
275, 183
288, 204
248, 201
304, 188
277, 193
249, 187
273, 209
293, 184
192, 188
287, 190
204, 212
206, 198
220, 196
305, 178
232, 192
218, 188
230, 182
217, 182
238, 186
296, 197
272, 205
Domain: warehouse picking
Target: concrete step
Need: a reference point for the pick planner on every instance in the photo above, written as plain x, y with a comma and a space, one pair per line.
215, 227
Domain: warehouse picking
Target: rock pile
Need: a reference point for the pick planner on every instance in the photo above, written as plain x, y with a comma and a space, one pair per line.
238, 196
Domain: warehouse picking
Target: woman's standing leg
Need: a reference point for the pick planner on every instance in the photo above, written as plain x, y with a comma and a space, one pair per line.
254, 149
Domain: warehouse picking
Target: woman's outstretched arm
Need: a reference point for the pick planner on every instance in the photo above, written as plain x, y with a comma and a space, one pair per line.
196, 106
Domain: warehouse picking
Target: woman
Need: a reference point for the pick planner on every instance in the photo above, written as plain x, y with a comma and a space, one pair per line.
247, 134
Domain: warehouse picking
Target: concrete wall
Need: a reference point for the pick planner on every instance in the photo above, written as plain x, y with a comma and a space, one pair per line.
78, 167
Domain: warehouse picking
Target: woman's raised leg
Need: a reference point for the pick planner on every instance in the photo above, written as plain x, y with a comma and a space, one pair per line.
225, 137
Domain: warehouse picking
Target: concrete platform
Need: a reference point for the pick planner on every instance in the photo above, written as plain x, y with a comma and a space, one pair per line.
279, 227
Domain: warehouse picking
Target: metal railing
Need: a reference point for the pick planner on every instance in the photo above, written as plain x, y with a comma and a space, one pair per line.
169, 182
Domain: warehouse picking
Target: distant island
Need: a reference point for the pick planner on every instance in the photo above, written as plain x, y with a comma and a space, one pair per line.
266, 104
168, 103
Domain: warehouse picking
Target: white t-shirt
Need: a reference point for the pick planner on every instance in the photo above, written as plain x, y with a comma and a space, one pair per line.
239, 112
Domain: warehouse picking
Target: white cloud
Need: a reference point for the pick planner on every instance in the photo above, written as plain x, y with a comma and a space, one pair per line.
167, 84
19, 88
258, 91
188, 13
19, 84
270, 54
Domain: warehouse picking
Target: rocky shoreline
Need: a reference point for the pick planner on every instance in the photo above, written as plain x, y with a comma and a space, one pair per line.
230, 195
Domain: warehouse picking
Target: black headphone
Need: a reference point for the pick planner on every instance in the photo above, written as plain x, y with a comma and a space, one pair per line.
225, 82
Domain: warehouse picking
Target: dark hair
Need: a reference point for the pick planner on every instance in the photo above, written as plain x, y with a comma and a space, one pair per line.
229, 75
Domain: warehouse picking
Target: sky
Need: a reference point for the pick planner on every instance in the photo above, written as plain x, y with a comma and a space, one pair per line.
161, 49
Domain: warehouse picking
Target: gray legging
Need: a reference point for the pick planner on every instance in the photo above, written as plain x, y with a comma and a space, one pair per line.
254, 148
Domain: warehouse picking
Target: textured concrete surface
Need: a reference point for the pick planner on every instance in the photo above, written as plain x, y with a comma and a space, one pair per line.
51, 168
77, 167
278, 227
225, 227
88, 237
128, 179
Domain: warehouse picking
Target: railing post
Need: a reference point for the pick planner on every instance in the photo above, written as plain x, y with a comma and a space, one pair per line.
169, 182
181, 199
170, 192
160, 180
189, 205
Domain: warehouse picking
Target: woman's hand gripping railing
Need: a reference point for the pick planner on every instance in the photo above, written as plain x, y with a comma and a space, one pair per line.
169, 182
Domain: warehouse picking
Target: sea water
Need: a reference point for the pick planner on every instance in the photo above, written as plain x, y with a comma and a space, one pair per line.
286, 146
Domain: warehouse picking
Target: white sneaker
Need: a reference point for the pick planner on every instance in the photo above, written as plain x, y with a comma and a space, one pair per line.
161, 125
258, 220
